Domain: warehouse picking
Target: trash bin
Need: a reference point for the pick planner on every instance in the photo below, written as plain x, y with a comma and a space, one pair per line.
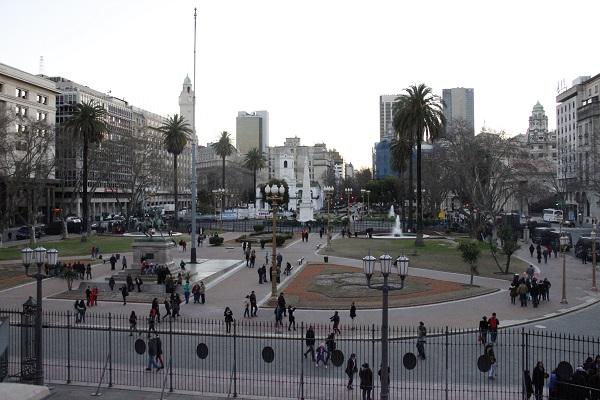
326, 259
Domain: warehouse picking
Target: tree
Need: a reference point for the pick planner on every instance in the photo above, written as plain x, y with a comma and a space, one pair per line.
419, 115
402, 151
176, 133
510, 244
88, 124
224, 149
470, 254
254, 161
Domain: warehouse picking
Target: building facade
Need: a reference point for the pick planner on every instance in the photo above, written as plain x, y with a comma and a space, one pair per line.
382, 160
459, 104
252, 131
27, 173
386, 115
578, 133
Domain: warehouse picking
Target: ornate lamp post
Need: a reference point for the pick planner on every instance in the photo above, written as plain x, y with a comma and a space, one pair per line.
385, 262
594, 288
328, 193
348, 192
276, 194
219, 194
40, 256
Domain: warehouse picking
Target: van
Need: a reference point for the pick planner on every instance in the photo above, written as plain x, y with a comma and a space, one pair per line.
584, 247
549, 236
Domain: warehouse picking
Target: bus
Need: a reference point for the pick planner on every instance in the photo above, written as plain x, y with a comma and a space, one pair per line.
553, 215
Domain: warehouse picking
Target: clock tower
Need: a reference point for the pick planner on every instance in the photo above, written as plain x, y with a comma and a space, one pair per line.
538, 125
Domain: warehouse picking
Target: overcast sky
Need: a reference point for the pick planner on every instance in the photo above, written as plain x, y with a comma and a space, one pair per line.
317, 66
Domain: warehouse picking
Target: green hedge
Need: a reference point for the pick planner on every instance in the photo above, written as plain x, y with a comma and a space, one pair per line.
216, 240
259, 228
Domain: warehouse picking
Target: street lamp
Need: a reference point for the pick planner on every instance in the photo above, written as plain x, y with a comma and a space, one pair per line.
594, 288
328, 193
219, 194
385, 262
564, 242
276, 195
40, 257
348, 192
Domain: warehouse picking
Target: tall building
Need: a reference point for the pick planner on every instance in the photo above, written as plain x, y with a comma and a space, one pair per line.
111, 162
541, 143
252, 131
386, 115
27, 114
382, 160
459, 104
578, 131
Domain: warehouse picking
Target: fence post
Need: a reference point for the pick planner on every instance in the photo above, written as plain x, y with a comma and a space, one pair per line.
170, 355
447, 369
301, 362
234, 359
373, 353
110, 350
523, 394
68, 346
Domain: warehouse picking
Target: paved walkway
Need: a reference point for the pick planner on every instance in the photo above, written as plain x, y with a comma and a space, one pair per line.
74, 392
230, 290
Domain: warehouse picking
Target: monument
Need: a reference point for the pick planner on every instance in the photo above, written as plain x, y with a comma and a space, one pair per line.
306, 208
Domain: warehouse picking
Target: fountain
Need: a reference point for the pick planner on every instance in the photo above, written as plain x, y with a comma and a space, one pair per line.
397, 229
391, 213
396, 232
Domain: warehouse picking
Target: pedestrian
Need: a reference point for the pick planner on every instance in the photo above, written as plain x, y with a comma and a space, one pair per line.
184, 245
351, 369
167, 304
176, 305
94, 296
247, 307
253, 306
133, 323
321, 355
202, 291
111, 283
366, 381
123, 263
247, 254
538, 378
186, 291
584, 257
555, 250
531, 249
489, 352
139, 283
527, 384
281, 303
513, 294
310, 343
88, 271
159, 352
76, 306
152, 351
421, 334
88, 296
545, 254
151, 321
331, 346
493, 324
124, 293
279, 259
93, 252
252, 257
129, 281
291, 318
182, 265
336, 322
547, 286
243, 247
483, 330
113, 262
196, 293
522, 291
260, 275
156, 308
228, 314
352, 314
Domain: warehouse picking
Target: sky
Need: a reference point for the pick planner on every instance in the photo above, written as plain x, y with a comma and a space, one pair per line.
317, 66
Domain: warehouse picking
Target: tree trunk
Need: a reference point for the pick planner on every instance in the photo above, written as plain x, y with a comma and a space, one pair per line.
419, 239
410, 191
223, 185
84, 195
254, 188
175, 190
471, 281
507, 263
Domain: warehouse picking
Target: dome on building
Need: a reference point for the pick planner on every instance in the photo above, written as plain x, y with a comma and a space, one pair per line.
187, 81
538, 108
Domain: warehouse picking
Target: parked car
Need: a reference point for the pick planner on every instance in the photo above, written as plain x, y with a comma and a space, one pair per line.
570, 223
584, 246
24, 232
549, 236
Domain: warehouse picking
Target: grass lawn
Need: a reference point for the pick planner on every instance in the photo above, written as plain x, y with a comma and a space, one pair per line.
75, 247
438, 254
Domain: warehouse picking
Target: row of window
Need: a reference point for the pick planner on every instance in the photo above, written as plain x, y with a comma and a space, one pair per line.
22, 111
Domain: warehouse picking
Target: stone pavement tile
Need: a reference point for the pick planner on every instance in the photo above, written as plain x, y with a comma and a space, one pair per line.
76, 392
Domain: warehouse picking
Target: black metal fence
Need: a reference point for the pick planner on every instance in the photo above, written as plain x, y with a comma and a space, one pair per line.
288, 226
255, 359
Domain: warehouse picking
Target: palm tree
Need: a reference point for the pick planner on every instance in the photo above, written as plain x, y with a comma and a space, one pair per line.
402, 150
224, 149
419, 114
88, 124
254, 161
176, 133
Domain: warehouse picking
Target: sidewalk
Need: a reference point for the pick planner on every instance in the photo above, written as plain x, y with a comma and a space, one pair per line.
73, 392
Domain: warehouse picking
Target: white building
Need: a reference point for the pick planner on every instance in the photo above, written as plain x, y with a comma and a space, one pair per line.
252, 131
386, 115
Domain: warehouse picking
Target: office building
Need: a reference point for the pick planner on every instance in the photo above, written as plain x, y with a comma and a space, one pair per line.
459, 104
382, 160
252, 131
386, 115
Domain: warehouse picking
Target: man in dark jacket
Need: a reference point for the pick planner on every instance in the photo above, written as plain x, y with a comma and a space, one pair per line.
366, 381
113, 262
351, 369
310, 343
281, 303
539, 375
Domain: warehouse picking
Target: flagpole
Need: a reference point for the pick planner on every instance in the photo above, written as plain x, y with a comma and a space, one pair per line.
193, 259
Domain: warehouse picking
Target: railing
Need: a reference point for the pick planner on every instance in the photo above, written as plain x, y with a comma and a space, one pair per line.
288, 226
201, 357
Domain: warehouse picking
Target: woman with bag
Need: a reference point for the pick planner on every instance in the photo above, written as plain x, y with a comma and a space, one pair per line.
351, 369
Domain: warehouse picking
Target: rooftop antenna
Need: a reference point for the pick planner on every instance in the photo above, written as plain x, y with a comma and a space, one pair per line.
41, 71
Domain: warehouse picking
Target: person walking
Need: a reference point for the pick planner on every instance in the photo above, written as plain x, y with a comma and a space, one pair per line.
186, 291
252, 258
139, 283
336, 322
253, 306
159, 353
247, 307
538, 378
111, 283
151, 321
196, 293
124, 293
331, 346
228, 314
321, 355
123, 263
545, 254
133, 323
260, 275
538, 249
366, 381
489, 352
493, 323
113, 262
129, 281
421, 334
483, 330
351, 369
310, 343
291, 318
281, 303
167, 304
202, 291
522, 291
176, 305
88, 271
352, 314
247, 253
152, 351
531, 249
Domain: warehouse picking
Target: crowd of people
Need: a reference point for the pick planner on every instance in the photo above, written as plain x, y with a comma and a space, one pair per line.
529, 288
581, 384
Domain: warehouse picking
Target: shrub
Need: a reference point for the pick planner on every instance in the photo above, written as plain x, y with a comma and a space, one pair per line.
259, 228
216, 240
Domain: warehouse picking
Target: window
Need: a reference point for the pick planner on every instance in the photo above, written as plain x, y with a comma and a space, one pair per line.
20, 111
22, 93
42, 99
20, 128
42, 116
285, 164
2, 87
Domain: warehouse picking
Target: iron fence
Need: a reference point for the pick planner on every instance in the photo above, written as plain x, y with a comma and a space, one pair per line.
256, 359
288, 226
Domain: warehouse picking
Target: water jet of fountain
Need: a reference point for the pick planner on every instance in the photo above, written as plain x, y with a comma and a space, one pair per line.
391, 213
397, 230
